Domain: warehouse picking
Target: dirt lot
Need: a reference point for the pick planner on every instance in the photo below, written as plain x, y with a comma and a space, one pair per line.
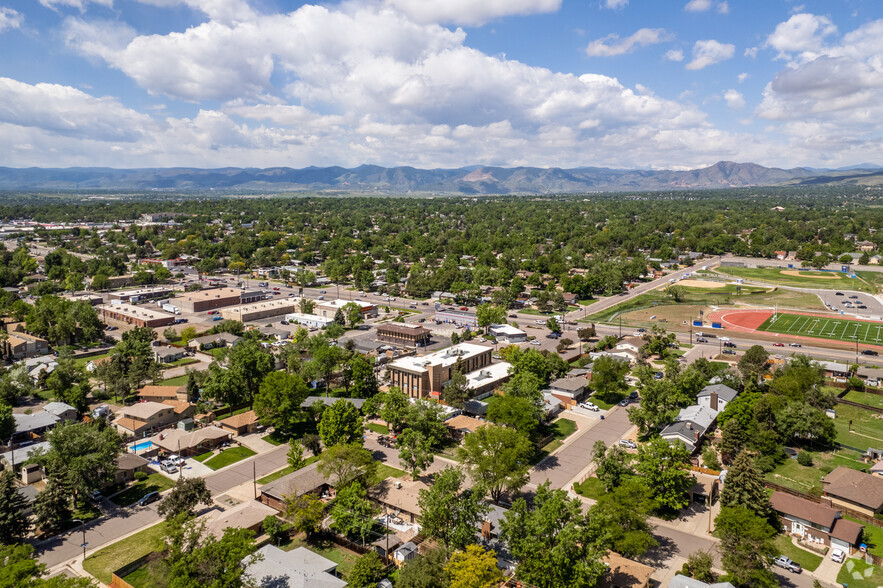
702, 284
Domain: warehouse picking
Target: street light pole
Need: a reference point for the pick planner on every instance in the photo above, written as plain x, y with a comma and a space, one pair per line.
83, 527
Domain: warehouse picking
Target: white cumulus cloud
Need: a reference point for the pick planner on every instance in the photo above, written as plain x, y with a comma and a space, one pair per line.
469, 12
674, 55
615, 4
709, 52
734, 99
802, 33
10, 19
612, 45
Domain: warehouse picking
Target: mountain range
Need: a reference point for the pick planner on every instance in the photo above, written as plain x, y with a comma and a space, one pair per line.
409, 180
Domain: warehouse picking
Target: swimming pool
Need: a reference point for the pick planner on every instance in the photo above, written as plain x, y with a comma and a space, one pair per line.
143, 446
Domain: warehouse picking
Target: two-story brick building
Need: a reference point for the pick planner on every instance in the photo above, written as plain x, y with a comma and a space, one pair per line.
420, 376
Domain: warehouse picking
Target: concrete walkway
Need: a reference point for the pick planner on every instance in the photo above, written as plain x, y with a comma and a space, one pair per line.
255, 442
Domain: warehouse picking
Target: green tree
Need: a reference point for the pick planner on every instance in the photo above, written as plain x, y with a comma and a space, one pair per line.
353, 513
366, 572
608, 376
665, 468
53, 506
425, 571
347, 464
274, 528
307, 306
14, 523
195, 558
746, 546
456, 391
512, 411
552, 541
497, 459
394, 408
7, 422
353, 313
305, 512
415, 452
699, 566
249, 363
753, 363
84, 453
185, 496
448, 513
612, 465
278, 401
341, 424
364, 383
21, 570
488, 314
624, 515
553, 325
745, 487
295, 455
474, 568
312, 442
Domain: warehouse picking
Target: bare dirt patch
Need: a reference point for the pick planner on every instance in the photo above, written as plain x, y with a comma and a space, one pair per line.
702, 284
799, 274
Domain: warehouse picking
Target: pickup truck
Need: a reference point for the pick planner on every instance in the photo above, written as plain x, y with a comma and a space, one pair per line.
787, 563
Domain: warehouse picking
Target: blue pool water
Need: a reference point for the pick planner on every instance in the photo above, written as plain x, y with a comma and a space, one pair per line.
141, 446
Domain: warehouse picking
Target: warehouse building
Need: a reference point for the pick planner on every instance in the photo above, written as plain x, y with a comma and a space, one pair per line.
310, 321
329, 308
456, 317
259, 310
204, 300
139, 294
139, 316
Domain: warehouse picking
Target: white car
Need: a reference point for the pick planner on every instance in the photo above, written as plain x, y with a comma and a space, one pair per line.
724, 338
588, 406
540, 322
628, 443
838, 556
535, 343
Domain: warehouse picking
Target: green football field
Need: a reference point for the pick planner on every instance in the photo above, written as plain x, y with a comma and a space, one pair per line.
869, 333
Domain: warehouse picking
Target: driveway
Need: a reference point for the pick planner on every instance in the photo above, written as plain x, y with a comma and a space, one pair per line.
563, 466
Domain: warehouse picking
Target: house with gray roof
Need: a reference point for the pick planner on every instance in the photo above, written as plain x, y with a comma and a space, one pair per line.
690, 426
680, 581
306, 480
298, 568
28, 426
62, 410
716, 396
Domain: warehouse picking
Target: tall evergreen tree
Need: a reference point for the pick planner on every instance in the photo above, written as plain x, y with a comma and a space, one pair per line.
53, 506
14, 523
744, 487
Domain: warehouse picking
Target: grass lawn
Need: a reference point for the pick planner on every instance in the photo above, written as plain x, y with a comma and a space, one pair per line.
216, 352
203, 456
805, 279
793, 475
229, 456
384, 430
385, 471
864, 398
81, 362
858, 574
104, 561
179, 362
591, 488
344, 558
872, 536
864, 332
609, 400
177, 381
285, 471
559, 429
866, 430
300, 429
153, 483
807, 560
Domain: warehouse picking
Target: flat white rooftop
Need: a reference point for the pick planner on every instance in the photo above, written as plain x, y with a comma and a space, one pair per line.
142, 312
339, 303
487, 375
507, 329
442, 358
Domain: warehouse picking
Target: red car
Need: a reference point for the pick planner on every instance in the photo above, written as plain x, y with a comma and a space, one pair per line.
778, 344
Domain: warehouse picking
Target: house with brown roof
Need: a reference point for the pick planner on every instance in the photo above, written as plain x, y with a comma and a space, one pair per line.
240, 424
306, 480
183, 409
163, 393
399, 497
853, 490
127, 465
190, 442
144, 417
815, 523
625, 573
21, 345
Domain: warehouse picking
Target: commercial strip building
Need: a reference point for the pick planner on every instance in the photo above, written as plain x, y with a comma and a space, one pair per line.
139, 316
213, 298
91, 297
329, 308
259, 310
310, 321
420, 376
139, 294
404, 334
460, 318
507, 333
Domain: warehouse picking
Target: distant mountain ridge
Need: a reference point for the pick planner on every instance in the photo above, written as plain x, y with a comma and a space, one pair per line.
406, 180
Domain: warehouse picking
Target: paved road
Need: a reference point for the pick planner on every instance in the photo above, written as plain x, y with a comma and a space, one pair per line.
562, 467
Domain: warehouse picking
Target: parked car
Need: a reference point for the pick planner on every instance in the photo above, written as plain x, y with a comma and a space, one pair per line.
95, 496
168, 467
628, 443
217, 318
624, 402
838, 555
588, 406
633, 395
148, 498
838, 294
795, 345
787, 563
862, 306
869, 352
853, 297
729, 352
778, 344
701, 340
729, 344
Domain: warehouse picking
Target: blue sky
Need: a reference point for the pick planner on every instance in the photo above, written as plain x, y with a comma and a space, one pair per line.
440, 83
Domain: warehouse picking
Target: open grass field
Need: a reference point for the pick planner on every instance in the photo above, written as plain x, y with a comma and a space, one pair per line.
804, 478
867, 431
867, 398
229, 456
638, 310
178, 381
802, 279
807, 560
104, 561
863, 332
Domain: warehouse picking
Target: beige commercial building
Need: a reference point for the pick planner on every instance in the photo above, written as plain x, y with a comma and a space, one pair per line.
204, 300
139, 316
259, 310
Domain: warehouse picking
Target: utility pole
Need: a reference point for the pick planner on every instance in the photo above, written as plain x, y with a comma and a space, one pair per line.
83, 527
254, 478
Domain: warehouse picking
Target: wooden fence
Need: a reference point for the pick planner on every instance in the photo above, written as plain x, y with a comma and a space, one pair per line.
859, 405
116, 576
